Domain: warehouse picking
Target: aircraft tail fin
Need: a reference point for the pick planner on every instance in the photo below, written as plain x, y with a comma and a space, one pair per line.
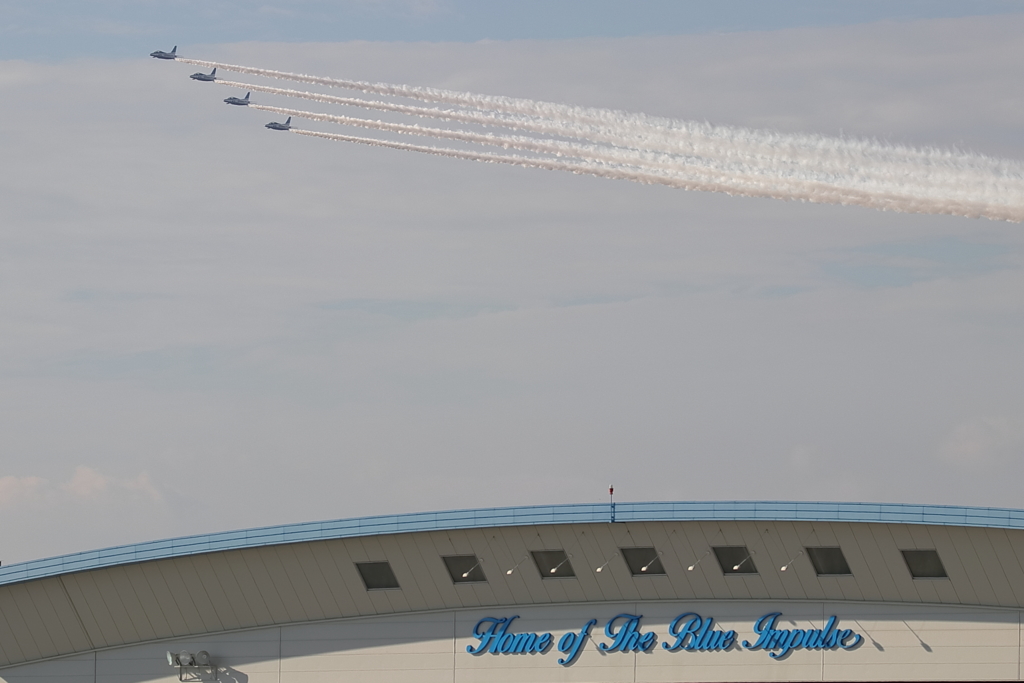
246, 97
214, 72
288, 122
174, 50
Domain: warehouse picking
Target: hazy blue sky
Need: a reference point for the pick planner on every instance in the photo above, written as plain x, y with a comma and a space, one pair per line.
56, 29
207, 325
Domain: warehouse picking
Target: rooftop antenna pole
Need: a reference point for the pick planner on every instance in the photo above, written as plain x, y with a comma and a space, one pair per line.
611, 500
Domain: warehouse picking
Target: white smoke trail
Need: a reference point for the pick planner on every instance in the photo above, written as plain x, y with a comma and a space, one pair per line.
614, 127
618, 173
797, 166
540, 145
779, 165
679, 136
523, 123
815, 192
739, 175
484, 102
508, 142
735, 176
933, 171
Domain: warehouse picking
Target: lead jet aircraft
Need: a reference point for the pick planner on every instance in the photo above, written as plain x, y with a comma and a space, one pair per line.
241, 101
274, 125
160, 54
212, 76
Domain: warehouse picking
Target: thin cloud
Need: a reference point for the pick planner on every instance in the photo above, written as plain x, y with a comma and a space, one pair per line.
89, 484
16, 491
987, 440
85, 485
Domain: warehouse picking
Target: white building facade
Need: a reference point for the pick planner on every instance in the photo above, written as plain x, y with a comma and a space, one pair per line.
652, 592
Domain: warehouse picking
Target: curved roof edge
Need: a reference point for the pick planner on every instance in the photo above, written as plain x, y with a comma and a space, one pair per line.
898, 513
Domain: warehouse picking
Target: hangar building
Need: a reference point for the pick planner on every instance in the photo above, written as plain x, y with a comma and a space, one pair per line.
632, 592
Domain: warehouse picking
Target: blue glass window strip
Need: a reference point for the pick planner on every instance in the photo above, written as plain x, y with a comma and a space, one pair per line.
941, 515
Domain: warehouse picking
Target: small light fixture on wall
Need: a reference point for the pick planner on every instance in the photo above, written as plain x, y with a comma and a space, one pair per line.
786, 566
601, 568
736, 567
469, 571
653, 560
694, 565
525, 557
559, 565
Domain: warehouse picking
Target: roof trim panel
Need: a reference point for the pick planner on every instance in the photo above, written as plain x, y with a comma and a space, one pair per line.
941, 515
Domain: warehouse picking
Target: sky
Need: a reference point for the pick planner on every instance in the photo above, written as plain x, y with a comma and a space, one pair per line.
62, 29
209, 326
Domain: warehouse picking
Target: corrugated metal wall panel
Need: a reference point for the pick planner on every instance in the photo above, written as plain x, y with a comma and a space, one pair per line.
32, 621
311, 581
255, 601
94, 615
148, 602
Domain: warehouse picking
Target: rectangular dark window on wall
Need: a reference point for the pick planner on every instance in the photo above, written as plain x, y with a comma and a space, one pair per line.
829, 561
465, 568
735, 559
553, 564
377, 575
924, 564
643, 561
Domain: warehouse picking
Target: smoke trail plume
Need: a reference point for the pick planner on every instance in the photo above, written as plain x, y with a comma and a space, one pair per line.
686, 154
659, 163
528, 144
814, 192
492, 119
629, 126
484, 102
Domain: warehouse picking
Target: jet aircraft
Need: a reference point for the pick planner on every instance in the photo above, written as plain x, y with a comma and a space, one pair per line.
160, 54
212, 76
274, 125
241, 101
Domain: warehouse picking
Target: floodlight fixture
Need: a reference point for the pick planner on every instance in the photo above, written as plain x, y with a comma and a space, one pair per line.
786, 566
653, 560
525, 558
735, 559
607, 562
191, 667
466, 573
736, 567
557, 566
694, 565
